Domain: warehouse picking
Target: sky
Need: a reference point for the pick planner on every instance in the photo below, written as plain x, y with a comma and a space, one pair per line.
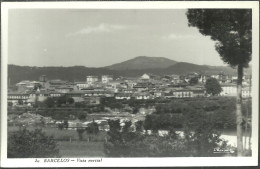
101, 37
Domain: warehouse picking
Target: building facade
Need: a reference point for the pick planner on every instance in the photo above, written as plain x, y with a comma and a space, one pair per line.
92, 79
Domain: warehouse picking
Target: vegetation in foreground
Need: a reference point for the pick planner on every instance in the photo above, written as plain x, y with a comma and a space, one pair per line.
31, 144
199, 140
200, 120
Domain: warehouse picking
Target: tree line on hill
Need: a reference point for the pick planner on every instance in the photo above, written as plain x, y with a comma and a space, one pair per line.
79, 73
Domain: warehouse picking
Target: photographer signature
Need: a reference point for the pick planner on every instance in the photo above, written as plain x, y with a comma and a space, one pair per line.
220, 150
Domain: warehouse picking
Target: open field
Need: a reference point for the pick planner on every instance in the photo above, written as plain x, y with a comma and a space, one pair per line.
81, 149
65, 135
69, 144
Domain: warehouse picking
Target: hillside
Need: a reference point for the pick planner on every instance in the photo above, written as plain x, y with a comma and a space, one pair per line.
79, 73
75, 73
143, 62
131, 68
183, 67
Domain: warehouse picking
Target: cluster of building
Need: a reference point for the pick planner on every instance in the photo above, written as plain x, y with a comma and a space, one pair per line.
145, 87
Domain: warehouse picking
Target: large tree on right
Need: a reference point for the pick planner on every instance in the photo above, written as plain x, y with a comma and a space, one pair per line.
231, 29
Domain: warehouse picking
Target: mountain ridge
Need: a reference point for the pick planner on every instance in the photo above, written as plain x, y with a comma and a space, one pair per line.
78, 73
142, 62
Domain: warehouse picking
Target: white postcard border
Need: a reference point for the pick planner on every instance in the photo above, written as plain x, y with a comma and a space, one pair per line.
132, 162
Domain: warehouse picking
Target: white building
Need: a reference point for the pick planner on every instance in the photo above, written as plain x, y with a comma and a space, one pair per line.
92, 79
145, 77
121, 96
246, 92
231, 90
141, 96
81, 85
106, 78
228, 90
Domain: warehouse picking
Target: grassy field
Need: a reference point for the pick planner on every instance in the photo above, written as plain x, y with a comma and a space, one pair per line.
81, 149
69, 144
63, 135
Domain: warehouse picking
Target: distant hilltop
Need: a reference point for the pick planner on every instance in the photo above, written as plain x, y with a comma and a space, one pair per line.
130, 68
143, 62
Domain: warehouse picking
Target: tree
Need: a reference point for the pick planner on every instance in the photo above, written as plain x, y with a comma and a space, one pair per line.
92, 128
49, 102
61, 100
114, 125
80, 105
65, 124
127, 126
212, 86
80, 133
135, 110
148, 123
10, 104
82, 116
61, 126
20, 102
232, 31
198, 141
139, 126
31, 144
193, 81
70, 100
200, 134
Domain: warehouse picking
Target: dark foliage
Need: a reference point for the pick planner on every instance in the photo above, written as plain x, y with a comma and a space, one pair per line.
92, 128
61, 100
66, 124
212, 86
20, 102
49, 102
163, 122
193, 81
82, 116
70, 100
230, 28
114, 125
31, 144
78, 73
136, 144
173, 114
80, 132
10, 104
232, 31
111, 102
139, 126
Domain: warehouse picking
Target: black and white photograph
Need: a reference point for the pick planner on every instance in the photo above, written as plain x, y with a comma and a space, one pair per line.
129, 83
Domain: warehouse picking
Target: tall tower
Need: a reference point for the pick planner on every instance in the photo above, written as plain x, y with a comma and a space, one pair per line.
43, 80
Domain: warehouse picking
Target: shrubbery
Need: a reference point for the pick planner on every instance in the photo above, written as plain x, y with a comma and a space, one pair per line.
201, 121
31, 144
197, 142
173, 114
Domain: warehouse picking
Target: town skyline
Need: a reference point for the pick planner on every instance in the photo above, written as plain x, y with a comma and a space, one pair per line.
99, 38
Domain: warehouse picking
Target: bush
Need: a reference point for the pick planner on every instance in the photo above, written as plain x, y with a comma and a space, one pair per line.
199, 141
49, 102
92, 128
70, 100
31, 144
10, 104
80, 133
82, 116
